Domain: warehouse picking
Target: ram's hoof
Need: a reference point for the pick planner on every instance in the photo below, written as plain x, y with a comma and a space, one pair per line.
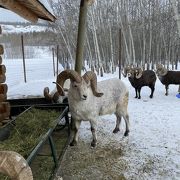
116, 130
93, 144
126, 133
73, 143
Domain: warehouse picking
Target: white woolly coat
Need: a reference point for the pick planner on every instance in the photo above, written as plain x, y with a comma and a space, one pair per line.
115, 99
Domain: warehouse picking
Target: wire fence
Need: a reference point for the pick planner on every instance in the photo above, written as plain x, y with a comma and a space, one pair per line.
41, 67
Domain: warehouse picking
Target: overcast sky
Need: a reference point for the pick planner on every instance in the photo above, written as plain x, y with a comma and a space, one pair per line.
8, 16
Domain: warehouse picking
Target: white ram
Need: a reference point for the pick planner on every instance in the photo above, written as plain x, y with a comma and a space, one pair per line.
86, 104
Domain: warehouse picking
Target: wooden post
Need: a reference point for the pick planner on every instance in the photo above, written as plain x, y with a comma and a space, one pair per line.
120, 57
53, 62
81, 35
57, 68
24, 64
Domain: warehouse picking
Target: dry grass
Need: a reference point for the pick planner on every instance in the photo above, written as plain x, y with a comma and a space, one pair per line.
29, 129
26, 134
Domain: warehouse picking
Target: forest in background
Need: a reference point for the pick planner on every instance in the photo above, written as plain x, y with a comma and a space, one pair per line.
138, 32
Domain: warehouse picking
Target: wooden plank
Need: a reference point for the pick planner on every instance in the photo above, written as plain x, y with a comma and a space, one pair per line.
1, 49
3, 97
4, 110
0, 60
20, 10
2, 69
2, 78
3, 88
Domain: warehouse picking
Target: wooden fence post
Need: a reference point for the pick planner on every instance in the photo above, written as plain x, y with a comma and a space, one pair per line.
120, 57
24, 65
57, 60
53, 61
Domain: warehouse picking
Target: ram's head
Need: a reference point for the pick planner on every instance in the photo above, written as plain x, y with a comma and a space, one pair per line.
161, 70
127, 71
79, 85
133, 72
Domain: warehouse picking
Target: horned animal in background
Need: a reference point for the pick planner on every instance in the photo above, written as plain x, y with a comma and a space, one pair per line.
167, 77
139, 78
54, 96
87, 104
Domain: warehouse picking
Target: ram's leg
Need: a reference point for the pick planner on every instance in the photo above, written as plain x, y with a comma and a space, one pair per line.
166, 87
139, 93
118, 122
152, 91
126, 118
136, 93
74, 132
121, 110
93, 130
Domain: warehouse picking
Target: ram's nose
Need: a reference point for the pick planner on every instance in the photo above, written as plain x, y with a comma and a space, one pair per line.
84, 97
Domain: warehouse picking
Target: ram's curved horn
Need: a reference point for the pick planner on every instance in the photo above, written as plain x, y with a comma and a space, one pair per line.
61, 89
66, 74
15, 166
161, 71
138, 73
47, 94
91, 76
124, 72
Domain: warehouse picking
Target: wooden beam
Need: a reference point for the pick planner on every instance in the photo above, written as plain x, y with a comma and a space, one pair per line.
41, 8
81, 34
20, 10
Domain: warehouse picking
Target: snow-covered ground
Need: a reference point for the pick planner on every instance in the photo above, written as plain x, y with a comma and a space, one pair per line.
18, 29
152, 150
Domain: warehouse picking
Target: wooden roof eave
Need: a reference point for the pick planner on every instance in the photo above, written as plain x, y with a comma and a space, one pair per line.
31, 13
41, 8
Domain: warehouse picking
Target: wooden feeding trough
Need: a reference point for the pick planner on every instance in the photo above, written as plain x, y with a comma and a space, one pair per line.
35, 134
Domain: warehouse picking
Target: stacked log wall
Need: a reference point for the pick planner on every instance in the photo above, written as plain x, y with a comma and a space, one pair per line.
4, 105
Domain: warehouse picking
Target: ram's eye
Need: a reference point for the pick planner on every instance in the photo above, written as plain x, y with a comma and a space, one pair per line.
75, 85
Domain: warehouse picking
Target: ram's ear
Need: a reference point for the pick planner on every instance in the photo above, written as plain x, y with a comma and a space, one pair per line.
88, 84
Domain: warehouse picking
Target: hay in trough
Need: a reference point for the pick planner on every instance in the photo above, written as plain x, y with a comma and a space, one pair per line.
29, 129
